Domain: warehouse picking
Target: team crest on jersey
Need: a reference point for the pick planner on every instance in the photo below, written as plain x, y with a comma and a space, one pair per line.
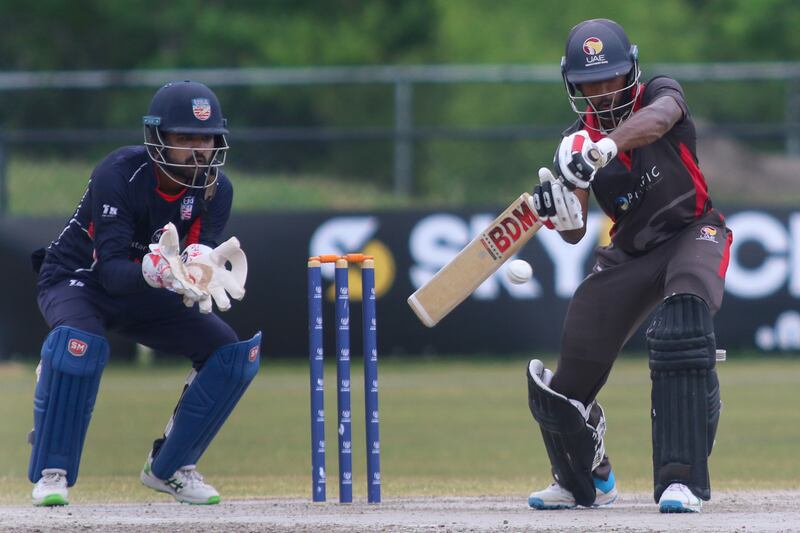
592, 46
708, 233
186, 207
201, 108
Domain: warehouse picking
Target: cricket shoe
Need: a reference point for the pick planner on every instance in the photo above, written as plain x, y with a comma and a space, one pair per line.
677, 498
557, 497
186, 485
51, 489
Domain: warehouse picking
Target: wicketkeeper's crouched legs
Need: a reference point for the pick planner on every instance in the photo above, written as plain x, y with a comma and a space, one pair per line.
573, 436
205, 404
685, 396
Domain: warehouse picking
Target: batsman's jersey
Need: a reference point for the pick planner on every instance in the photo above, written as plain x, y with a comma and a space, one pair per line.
121, 213
652, 192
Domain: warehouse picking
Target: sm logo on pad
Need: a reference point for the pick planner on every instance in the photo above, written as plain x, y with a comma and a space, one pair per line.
77, 347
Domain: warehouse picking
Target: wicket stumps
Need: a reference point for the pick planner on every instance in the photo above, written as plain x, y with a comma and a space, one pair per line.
316, 360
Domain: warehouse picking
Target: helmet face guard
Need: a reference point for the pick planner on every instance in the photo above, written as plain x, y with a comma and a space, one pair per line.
605, 120
201, 172
188, 108
598, 50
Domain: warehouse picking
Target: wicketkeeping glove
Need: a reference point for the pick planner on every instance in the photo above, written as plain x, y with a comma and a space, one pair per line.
555, 205
207, 268
163, 268
578, 158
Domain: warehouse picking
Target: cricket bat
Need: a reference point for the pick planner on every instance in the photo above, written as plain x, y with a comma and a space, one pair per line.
476, 262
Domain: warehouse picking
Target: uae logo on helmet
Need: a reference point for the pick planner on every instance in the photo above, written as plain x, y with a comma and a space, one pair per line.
201, 108
592, 46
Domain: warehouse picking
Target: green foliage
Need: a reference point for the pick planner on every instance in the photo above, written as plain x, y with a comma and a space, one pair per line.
56, 35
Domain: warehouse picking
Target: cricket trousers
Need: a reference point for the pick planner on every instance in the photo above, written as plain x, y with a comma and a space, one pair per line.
621, 292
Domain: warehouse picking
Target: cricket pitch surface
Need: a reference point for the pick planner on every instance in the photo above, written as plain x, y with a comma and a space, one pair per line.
728, 511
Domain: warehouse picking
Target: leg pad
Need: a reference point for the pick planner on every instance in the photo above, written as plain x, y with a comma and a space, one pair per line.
70, 370
574, 443
685, 395
206, 404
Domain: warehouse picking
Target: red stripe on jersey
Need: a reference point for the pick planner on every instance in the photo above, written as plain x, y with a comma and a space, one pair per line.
700, 186
90, 230
170, 197
625, 159
726, 256
193, 237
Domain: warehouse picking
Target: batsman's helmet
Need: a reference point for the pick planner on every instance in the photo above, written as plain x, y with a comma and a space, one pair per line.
186, 107
598, 50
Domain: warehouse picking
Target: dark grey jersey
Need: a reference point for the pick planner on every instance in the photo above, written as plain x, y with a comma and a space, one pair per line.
654, 191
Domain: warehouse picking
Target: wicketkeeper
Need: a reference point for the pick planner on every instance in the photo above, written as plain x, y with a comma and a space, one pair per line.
117, 265
634, 146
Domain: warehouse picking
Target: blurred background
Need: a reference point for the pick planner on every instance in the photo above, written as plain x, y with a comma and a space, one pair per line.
400, 129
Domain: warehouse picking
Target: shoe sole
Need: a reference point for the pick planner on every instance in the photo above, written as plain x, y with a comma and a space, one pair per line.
609, 502
539, 505
51, 500
674, 506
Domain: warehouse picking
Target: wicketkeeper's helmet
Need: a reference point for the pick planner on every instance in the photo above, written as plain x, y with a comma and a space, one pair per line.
186, 107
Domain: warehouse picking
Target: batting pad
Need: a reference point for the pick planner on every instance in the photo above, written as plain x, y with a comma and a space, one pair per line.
71, 366
574, 446
206, 404
685, 394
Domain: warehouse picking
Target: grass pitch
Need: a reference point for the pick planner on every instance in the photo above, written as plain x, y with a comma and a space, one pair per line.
448, 427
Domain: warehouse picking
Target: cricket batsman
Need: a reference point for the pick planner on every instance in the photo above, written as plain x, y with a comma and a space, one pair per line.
634, 147
117, 266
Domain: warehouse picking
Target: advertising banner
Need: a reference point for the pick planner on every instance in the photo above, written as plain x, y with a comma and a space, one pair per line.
761, 310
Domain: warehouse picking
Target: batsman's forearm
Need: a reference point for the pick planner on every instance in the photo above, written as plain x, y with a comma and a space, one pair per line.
647, 125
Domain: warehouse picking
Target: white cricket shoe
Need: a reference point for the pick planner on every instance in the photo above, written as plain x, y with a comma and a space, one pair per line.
51, 489
678, 498
557, 497
186, 485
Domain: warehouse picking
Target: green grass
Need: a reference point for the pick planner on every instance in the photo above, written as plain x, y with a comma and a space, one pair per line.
458, 427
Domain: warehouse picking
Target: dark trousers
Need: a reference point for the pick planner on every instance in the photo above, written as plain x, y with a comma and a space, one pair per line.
155, 318
622, 291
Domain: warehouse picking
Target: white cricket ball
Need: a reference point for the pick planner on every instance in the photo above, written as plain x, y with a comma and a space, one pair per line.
519, 271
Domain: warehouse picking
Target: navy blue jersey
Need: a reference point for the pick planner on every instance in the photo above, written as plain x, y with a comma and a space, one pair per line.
121, 214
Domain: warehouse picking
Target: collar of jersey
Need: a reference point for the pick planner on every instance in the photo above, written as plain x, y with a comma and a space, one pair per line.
170, 197
591, 121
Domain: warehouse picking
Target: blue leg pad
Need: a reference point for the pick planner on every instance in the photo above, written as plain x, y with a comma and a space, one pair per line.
206, 404
72, 363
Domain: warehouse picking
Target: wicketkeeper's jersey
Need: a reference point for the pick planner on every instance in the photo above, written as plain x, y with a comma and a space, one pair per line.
122, 213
